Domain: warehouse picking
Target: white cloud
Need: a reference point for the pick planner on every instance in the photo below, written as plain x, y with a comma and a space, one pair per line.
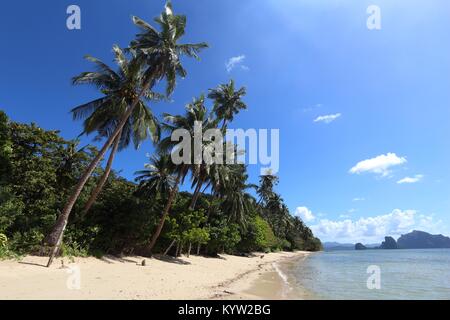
374, 229
379, 165
234, 62
305, 214
327, 118
358, 199
414, 179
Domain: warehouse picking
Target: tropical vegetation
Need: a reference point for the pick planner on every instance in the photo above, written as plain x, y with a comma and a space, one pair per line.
56, 198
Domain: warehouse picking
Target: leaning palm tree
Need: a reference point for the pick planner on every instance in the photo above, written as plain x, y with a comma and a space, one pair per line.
227, 101
159, 53
158, 179
200, 177
102, 115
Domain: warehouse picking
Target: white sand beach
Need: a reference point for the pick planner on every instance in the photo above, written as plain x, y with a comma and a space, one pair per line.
125, 278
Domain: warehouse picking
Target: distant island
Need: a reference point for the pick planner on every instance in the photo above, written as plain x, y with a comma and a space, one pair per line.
422, 240
413, 240
389, 243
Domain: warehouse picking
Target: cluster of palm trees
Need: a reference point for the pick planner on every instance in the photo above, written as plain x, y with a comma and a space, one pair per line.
122, 115
227, 181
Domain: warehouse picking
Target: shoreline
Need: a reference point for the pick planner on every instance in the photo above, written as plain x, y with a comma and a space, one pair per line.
267, 282
162, 278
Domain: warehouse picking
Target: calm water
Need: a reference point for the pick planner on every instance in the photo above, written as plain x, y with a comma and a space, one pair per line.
404, 274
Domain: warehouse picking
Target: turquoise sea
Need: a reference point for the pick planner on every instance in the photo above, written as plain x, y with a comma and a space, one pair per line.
403, 274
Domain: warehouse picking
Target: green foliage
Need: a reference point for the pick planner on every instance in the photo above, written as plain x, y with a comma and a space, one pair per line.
3, 246
259, 237
290, 231
197, 235
41, 171
38, 168
5, 148
224, 237
186, 226
5, 252
3, 240
43, 167
120, 222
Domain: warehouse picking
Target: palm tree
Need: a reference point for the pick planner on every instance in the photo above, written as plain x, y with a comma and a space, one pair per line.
158, 176
195, 112
201, 171
227, 101
267, 182
158, 179
200, 175
159, 53
236, 201
102, 115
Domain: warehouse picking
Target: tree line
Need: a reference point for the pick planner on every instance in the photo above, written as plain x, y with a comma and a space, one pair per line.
55, 198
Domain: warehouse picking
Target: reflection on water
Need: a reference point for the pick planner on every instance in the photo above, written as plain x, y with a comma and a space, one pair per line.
405, 274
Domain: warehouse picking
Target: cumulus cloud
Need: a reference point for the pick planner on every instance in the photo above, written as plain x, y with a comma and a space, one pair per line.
233, 62
305, 214
374, 229
380, 165
414, 179
327, 118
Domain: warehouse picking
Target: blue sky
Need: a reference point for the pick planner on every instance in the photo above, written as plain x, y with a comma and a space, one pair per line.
387, 91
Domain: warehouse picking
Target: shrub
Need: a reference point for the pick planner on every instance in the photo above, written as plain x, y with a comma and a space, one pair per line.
4, 250
3, 240
259, 237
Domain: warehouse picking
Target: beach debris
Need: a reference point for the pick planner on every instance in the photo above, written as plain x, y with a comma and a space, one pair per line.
228, 292
144, 263
261, 257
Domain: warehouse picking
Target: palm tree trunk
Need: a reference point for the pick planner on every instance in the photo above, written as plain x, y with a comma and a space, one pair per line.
177, 250
223, 125
170, 247
210, 207
198, 248
104, 178
189, 250
55, 237
196, 194
162, 220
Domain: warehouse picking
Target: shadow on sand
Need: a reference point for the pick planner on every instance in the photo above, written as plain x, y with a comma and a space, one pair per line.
111, 259
171, 259
33, 264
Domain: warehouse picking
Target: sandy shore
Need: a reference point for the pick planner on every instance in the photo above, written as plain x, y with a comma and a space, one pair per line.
227, 277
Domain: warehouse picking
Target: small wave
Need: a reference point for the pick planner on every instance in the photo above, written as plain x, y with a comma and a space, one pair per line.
286, 286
